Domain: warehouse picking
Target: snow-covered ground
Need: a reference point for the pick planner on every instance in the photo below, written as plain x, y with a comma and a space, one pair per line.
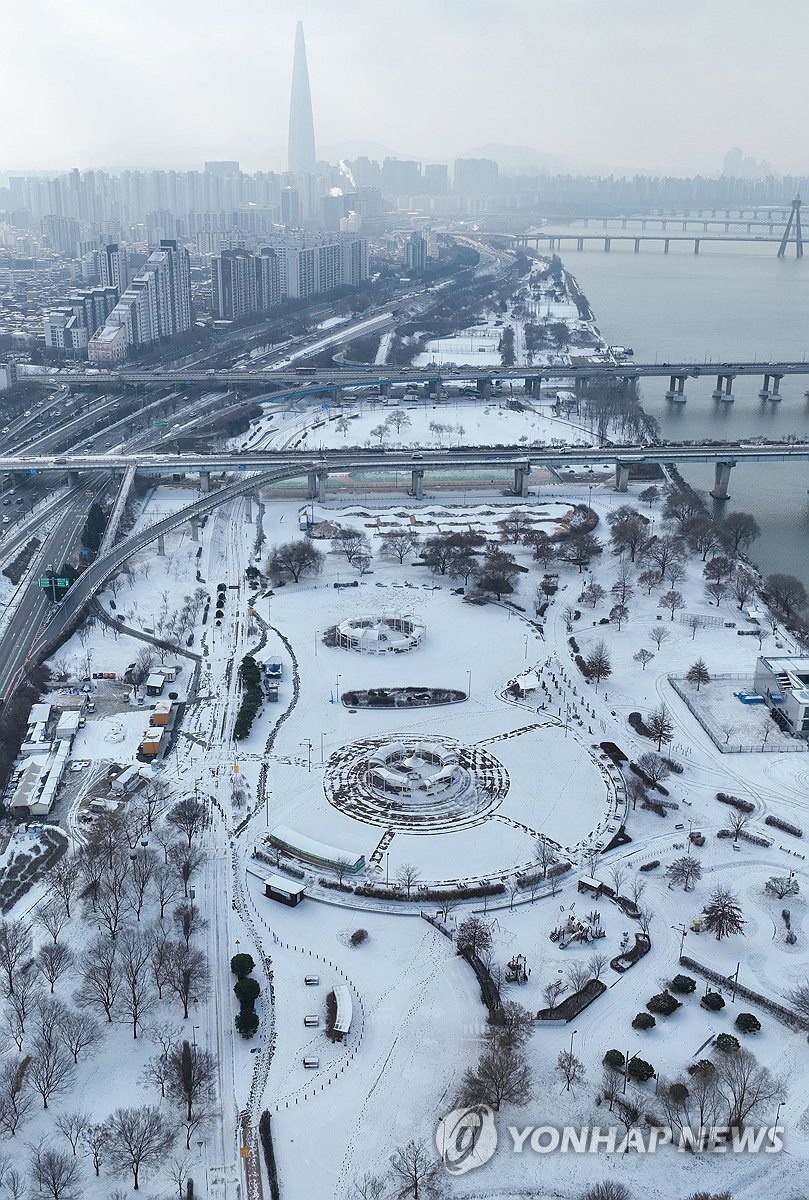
417, 1014
533, 764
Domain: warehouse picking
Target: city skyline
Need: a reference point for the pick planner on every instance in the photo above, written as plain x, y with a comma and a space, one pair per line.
570, 85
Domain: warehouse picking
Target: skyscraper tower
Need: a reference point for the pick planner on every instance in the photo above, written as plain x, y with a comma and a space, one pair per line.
301, 147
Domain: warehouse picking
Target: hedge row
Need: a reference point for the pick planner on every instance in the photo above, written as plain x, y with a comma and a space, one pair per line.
735, 802
265, 1133
573, 1005
251, 699
777, 823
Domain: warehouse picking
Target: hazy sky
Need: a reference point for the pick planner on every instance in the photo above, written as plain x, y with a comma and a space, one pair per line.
618, 83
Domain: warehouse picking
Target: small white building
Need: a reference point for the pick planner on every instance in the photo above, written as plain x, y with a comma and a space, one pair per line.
155, 684
784, 684
68, 725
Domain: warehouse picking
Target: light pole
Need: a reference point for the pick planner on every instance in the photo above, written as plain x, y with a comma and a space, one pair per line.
570, 1064
469, 685
322, 759
681, 929
337, 695
307, 742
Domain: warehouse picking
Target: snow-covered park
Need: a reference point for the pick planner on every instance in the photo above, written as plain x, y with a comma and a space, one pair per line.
470, 780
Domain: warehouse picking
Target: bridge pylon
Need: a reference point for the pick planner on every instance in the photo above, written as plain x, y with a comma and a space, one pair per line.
794, 216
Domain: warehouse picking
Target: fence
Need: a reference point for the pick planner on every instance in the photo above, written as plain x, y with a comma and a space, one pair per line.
786, 1015
489, 991
783, 746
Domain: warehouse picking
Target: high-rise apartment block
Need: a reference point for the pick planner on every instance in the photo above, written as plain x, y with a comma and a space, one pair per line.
156, 306
416, 252
476, 176
294, 268
113, 268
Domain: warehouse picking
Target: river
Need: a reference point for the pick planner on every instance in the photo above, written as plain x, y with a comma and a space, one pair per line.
729, 302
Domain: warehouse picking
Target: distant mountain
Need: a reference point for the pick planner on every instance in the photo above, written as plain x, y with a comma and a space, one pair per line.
517, 159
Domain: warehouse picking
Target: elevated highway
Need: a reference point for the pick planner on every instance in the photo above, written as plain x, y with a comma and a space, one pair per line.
301, 382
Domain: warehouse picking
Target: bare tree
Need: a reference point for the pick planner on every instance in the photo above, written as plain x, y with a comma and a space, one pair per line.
545, 854
62, 880
474, 936
781, 886
416, 1172
179, 1172
166, 885
660, 725
685, 871
95, 1138
610, 1087
552, 991
798, 997
72, 1125
598, 663
596, 964
570, 1069
145, 864
502, 1076
139, 1139
113, 894
659, 635
191, 1077
185, 860
617, 873
55, 1175
26, 998
14, 1183
513, 1024
187, 817
52, 961
153, 801
408, 877
672, 600
738, 822
653, 767
101, 980
577, 975
15, 949
51, 917
189, 920
137, 996
79, 1031
399, 543
368, 1187
592, 594
643, 656
16, 1099
746, 1086
187, 974
52, 1071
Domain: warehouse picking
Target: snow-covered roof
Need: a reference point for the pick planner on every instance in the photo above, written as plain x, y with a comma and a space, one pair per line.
310, 847
289, 887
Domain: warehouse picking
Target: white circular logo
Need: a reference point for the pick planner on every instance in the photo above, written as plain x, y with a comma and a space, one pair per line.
466, 1138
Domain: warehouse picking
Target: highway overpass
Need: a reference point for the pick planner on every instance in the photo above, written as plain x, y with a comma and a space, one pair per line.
323, 379
316, 467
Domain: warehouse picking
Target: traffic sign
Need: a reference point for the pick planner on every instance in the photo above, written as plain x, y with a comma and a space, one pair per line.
43, 583
63, 583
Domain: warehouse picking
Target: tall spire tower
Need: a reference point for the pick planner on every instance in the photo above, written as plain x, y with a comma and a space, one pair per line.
301, 148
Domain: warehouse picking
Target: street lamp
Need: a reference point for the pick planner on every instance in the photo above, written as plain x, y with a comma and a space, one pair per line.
681, 929
307, 742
